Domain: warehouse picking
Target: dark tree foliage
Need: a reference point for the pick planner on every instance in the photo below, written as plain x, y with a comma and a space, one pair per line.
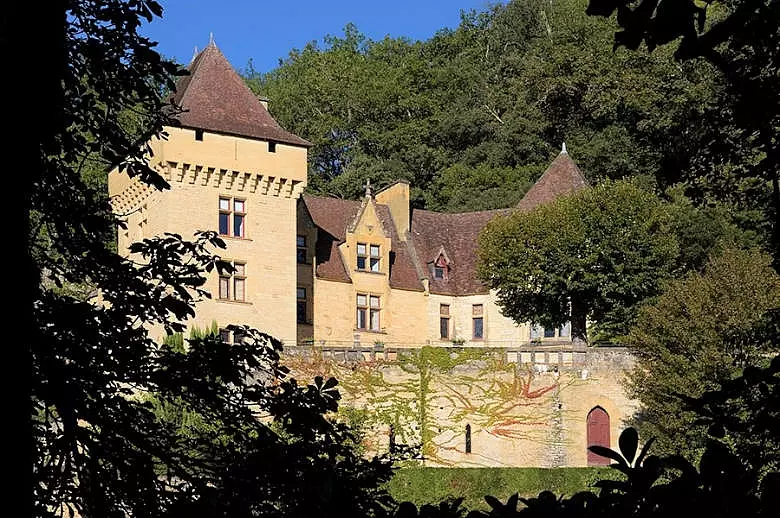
472, 116
99, 448
741, 39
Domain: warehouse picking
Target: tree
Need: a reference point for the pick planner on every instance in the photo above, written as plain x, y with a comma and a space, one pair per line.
266, 445
498, 93
740, 38
702, 331
594, 255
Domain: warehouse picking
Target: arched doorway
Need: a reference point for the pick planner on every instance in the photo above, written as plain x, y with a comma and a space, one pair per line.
598, 435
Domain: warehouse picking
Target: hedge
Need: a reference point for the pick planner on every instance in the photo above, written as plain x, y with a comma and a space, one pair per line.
432, 485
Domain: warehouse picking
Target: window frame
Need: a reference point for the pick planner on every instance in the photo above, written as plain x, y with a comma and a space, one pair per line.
369, 312
232, 215
301, 249
444, 320
477, 314
300, 316
231, 280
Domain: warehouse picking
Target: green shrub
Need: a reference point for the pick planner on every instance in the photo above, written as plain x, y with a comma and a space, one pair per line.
425, 485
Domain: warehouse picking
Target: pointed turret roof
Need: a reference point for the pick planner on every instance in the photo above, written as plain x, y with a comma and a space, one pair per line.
562, 177
215, 98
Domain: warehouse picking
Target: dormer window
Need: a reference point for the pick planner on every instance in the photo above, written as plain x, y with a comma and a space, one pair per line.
368, 257
440, 268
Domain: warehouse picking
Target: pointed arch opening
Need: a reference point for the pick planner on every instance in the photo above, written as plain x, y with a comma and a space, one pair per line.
598, 435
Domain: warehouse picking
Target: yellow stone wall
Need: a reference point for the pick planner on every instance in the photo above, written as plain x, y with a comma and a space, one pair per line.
200, 172
520, 413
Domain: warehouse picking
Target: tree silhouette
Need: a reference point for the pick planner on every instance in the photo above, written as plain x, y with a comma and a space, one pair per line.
100, 449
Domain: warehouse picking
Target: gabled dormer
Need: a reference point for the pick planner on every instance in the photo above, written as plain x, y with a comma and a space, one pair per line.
368, 243
439, 266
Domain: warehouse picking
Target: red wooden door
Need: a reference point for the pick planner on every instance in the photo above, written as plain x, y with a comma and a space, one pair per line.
598, 434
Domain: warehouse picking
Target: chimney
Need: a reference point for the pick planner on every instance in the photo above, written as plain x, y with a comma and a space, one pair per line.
396, 197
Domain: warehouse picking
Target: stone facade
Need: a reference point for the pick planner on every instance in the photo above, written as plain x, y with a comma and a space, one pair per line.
524, 406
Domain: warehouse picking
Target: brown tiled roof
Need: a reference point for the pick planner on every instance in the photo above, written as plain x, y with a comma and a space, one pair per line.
333, 216
458, 235
431, 232
562, 177
215, 98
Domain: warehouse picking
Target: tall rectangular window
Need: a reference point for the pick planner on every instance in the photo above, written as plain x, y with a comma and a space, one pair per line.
301, 305
362, 311
374, 259
373, 302
232, 285
238, 218
368, 312
478, 322
300, 243
444, 321
239, 281
232, 217
549, 332
361, 256
224, 216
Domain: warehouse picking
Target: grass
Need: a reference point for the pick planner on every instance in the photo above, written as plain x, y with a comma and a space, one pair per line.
432, 485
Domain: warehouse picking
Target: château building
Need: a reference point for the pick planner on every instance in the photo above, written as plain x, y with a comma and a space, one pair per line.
373, 276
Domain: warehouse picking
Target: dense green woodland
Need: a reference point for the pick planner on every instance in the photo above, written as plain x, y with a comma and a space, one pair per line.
473, 116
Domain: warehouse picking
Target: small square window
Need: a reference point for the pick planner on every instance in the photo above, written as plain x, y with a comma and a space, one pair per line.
301, 293
224, 204
361, 300
199, 134
549, 332
438, 272
374, 301
476, 310
239, 269
374, 251
238, 206
271, 147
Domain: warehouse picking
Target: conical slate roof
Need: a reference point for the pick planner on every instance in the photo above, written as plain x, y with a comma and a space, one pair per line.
215, 98
562, 177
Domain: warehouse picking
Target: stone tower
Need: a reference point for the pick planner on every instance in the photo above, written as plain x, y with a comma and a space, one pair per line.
233, 169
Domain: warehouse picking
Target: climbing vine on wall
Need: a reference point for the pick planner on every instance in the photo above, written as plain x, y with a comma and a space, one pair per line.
428, 395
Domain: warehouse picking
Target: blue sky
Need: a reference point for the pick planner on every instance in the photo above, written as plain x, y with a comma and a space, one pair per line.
267, 31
